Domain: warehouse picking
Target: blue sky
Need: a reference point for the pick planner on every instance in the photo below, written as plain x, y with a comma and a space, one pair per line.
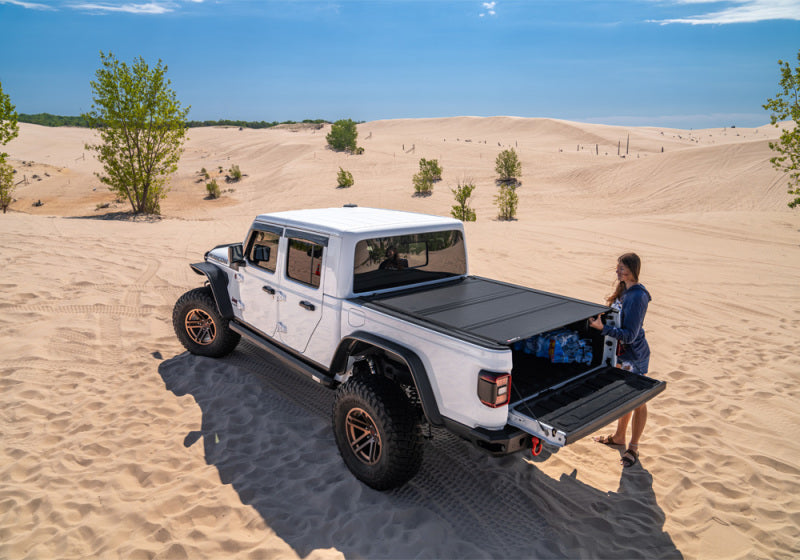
679, 63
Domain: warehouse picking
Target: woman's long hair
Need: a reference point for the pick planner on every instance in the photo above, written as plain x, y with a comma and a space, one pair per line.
633, 263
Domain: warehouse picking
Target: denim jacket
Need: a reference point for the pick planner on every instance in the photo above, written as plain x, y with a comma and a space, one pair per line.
631, 333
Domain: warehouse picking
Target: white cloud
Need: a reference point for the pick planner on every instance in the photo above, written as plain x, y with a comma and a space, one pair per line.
29, 5
742, 11
148, 8
106, 6
489, 7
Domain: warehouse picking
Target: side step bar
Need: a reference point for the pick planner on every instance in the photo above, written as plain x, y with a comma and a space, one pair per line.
285, 356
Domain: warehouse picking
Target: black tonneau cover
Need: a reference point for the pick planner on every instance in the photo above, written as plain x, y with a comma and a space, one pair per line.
484, 310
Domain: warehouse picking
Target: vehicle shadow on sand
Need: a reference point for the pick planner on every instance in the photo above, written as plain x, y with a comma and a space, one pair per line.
267, 431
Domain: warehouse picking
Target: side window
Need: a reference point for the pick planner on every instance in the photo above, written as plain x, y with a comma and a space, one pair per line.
304, 261
263, 250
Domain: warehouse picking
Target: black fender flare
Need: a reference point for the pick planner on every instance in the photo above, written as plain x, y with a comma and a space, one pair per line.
218, 281
351, 343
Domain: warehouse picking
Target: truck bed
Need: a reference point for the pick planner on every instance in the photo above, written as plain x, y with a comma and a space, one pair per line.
559, 403
484, 311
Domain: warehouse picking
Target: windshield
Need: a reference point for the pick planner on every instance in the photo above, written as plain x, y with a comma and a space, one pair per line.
389, 262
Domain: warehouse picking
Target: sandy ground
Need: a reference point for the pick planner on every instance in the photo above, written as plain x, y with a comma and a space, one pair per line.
117, 443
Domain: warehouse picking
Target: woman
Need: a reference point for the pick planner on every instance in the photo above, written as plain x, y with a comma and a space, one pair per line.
393, 260
631, 298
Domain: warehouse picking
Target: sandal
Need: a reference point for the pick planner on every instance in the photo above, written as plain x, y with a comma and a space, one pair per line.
630, 457
608, 440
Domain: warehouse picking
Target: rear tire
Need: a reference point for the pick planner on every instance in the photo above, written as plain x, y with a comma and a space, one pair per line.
377, 431
200, 327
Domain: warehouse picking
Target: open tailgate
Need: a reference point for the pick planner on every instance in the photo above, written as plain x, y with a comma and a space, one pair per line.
564, 414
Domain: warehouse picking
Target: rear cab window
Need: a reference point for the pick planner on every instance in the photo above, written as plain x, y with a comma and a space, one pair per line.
389, 262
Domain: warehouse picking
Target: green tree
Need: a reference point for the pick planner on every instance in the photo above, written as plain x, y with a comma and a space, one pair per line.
431, 168
462, 211
142, 129
508, 167
9, 129
786, 106
423, 183
429, 173
344, 179
342, 136
6, 185
235, 173
213, 190
506, 201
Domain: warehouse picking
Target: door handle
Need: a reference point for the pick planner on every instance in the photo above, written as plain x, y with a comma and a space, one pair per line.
269, 290
308, 305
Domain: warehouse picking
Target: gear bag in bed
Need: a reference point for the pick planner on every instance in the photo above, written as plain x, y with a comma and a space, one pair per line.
561, 346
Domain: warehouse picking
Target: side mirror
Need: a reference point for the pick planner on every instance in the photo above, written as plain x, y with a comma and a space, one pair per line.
236, 256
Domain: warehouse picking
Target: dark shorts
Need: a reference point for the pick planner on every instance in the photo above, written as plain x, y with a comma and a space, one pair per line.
627, 363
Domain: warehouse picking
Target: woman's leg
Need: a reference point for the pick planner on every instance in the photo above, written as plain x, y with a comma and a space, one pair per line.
620, 436
639, 417
639, 421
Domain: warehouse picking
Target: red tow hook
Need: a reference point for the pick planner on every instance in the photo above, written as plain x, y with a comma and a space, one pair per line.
536, 446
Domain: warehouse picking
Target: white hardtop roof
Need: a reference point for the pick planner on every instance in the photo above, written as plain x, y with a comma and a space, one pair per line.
353, 219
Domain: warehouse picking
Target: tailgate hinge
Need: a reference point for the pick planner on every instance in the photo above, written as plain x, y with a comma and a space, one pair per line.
536, 428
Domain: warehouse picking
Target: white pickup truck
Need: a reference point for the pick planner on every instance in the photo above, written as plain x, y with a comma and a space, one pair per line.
379, 305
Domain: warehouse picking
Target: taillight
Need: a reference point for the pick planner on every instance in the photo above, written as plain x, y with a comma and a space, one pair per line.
494, 389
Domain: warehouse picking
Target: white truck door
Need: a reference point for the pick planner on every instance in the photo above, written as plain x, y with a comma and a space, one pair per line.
258, 280
301, 310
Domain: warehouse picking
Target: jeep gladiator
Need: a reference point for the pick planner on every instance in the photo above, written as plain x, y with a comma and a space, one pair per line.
379, 305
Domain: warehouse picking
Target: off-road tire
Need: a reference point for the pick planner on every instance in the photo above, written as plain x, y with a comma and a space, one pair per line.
370, 411
200, 327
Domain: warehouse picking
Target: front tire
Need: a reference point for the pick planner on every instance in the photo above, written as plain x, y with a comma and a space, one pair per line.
200, 327
377, 431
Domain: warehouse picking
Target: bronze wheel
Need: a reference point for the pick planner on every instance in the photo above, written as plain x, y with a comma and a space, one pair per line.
377, 431
363, 436
200, 327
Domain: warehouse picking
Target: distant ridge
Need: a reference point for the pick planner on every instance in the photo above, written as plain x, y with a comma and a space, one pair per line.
47, 119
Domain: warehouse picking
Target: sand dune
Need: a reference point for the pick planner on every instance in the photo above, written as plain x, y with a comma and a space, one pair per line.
116, 443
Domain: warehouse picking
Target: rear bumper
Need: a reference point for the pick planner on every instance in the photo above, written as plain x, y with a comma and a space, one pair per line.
496, 442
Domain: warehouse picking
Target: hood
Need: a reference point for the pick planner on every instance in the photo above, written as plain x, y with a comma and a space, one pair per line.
640, 288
